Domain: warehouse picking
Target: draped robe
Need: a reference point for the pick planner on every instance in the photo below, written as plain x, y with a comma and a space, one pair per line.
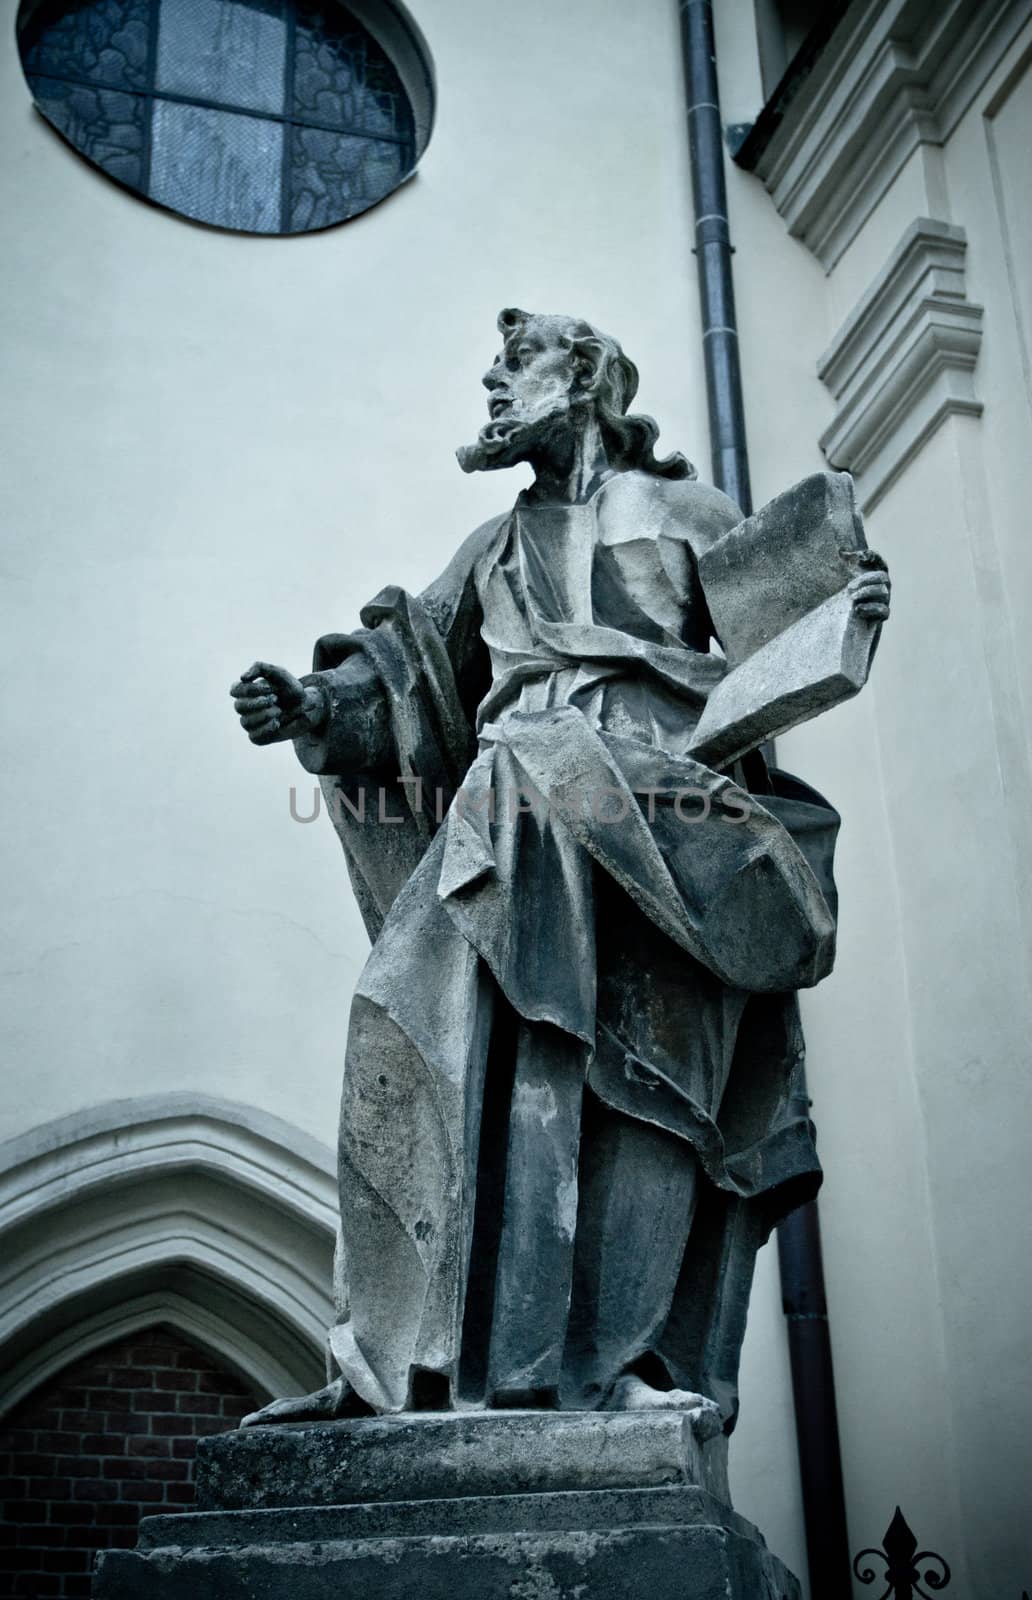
570, 1108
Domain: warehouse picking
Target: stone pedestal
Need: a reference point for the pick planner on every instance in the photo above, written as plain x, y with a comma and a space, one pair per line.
517, 1505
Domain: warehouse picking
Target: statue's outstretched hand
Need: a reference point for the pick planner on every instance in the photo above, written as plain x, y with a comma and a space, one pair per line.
270, 703
871, 589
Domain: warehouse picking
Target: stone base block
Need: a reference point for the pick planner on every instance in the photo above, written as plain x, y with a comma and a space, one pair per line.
495, 1506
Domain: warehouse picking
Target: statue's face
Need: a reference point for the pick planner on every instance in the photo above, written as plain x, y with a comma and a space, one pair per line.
532, 376
531, 386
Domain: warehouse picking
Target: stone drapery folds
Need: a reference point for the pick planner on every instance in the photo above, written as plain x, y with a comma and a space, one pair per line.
569, 1111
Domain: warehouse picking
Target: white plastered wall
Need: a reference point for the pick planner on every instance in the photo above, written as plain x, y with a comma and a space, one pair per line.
223, 446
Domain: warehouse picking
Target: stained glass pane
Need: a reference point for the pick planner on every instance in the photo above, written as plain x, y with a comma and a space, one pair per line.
341, 75
228, 50
334, 175
217, 167
105, 125
103, 41
284, 115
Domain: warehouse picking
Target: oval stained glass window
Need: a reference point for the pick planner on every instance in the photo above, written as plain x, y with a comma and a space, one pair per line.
266, 116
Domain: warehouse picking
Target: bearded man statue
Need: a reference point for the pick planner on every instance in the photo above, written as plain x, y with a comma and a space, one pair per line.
571, 1104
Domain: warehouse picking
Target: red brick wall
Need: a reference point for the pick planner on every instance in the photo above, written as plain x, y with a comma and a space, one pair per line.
107, 1441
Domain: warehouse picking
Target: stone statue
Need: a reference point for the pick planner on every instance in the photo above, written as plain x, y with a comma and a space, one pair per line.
571, 1108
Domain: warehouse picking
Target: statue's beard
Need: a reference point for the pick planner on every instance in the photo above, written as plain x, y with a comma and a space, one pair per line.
512, 437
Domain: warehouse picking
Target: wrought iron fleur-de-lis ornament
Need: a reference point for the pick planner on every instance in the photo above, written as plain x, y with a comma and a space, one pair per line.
902, 1570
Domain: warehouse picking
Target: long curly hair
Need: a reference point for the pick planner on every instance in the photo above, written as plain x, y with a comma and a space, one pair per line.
611, 379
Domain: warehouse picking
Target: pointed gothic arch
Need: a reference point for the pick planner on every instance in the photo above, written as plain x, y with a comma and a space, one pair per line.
208, 1216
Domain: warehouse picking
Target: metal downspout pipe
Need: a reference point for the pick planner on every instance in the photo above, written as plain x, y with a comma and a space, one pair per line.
799, 1247
813, 1392
713, 252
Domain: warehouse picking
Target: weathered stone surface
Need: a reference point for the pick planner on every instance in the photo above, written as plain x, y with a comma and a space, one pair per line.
773, 568
782, 592
439, 1457
817, 662
531, 1506
571, 1510
702, 1562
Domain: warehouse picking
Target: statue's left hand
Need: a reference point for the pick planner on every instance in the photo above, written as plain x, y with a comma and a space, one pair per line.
871, 589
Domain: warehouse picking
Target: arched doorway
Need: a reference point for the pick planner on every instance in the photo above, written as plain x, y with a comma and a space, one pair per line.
165, 1266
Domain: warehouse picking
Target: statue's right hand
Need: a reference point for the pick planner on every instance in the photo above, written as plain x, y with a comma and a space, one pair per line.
269, 700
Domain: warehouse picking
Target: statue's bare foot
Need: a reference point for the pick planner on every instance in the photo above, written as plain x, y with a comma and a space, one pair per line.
631, 1393
337, 1400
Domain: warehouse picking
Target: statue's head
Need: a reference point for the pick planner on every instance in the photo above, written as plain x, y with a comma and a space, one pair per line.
555, 374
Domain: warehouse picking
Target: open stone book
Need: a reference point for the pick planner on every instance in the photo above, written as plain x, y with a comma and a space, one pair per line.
777, 587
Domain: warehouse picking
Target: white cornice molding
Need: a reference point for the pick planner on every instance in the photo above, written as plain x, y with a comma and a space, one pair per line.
894, 75
903, 361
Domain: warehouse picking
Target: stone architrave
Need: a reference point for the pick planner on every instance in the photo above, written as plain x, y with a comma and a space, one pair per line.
570, 1109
